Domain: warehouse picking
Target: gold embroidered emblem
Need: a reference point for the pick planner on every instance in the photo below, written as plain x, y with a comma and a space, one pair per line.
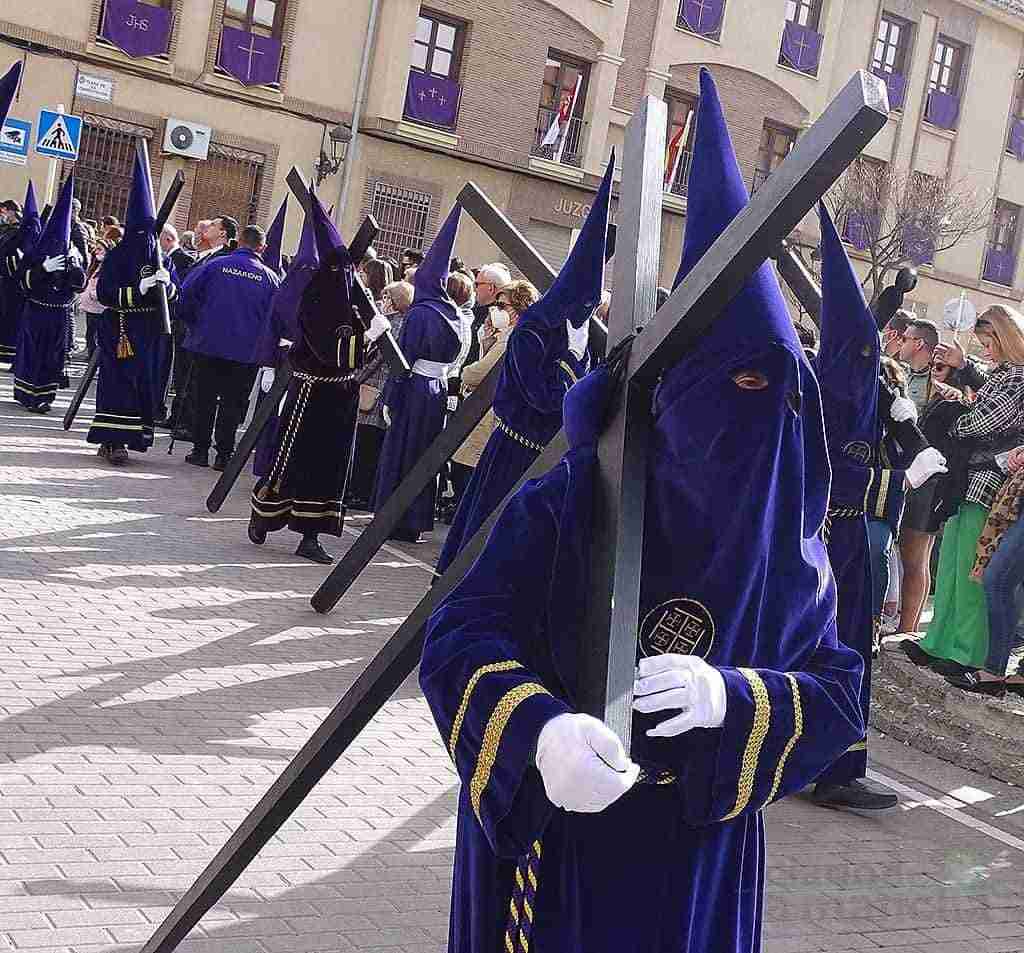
679, 626
859, 452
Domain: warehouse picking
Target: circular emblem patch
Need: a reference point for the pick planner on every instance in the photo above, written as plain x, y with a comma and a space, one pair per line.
859, 452
146, 270
679, 626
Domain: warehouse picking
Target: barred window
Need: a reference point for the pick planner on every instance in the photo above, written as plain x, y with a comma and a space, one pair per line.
229, 182
103, 172
402, 215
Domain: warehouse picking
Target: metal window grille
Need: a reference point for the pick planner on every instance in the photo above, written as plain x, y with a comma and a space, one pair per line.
402, 216
229, 182
103, 172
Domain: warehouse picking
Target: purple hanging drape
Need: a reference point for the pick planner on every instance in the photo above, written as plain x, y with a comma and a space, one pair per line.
703, 17
252, 59
137, 29
432, 99
860, 229
896, 83
943, 109
918, 244
999, 266
801, 47
1016, 143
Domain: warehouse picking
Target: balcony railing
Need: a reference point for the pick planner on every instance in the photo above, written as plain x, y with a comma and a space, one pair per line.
760, 177
567, 148
678, 184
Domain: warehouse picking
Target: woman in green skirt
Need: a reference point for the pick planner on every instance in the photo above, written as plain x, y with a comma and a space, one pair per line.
957, 639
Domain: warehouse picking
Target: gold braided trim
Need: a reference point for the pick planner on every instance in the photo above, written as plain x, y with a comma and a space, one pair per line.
514, 910
67, 306
844, 512
460, 715
503, 711
859, 746
883, 491
313, 379
134, 310
516, 436
798, 730
758, 732
509, 945
523, 942
564, 365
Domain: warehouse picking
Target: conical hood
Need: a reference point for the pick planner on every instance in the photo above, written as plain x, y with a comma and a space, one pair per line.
576, 290
56, 236
738, 458
306, 254
31, 225
327, 237
301, 269
8, 89
275, 235
431, 278
141, 214
849, 355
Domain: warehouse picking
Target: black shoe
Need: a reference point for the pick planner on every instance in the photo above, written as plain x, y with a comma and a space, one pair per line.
104, 451
404, 536
118, 456
915, 653
220, 464
970, 682
855, 795
311, 549
185, 436
946, 667
198, 458
257, 534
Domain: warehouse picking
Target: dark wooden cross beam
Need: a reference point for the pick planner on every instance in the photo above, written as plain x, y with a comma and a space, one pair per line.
800, 281
270, 401
515, 247
815, 163
164, 213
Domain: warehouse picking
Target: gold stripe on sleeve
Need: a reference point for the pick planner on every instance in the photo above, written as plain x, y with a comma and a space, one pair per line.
758, 732
460, 715
798, 730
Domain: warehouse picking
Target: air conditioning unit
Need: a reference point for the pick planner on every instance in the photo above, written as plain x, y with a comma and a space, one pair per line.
188, 139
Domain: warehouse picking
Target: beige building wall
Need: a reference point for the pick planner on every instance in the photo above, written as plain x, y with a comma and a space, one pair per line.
633, 48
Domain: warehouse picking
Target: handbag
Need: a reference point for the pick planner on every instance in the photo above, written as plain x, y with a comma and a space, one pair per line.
368, 395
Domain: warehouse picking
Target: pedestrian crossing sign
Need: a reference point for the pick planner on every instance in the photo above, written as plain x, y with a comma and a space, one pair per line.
58, 135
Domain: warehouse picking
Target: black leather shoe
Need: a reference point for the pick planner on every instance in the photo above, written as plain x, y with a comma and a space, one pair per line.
970, 682
221, 462
118, 456
198, 458
856, 795
257, 534
404, 536
915, 653
311, 549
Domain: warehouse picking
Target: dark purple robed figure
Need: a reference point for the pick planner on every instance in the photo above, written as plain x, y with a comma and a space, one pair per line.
138, 29
537, 369
46, 329
15, 243
432, 99
430, 341
252, 59
737, 489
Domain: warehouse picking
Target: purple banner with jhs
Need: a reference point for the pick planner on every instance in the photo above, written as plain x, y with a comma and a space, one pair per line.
999, 266
703, 17
432, 99
138, 29
252, 59
801, 47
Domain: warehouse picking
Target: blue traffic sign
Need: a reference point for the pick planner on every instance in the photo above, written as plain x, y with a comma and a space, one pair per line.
58, 135
15, 137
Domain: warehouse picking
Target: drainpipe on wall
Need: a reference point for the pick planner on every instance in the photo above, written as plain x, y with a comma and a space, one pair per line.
357, 113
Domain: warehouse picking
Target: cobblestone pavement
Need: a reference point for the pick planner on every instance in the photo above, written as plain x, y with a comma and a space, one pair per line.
157, 672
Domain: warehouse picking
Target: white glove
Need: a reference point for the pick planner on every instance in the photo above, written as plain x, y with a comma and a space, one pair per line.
378, 326
55, 263
903, 408
926, 464
583, 764
453, 404
160, 277
266, 379
386, 414
682, 683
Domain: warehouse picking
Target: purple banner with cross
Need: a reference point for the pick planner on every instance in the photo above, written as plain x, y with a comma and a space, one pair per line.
137, 29
860, 229
896, 84
918, 245
999, 266
801, 47
252, 59
943, 109
703, 17
1016, 143
432, 99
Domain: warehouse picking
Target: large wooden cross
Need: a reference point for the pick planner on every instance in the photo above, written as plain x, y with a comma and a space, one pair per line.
819, 158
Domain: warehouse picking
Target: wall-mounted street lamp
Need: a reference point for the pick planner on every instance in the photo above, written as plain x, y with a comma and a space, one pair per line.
339, 137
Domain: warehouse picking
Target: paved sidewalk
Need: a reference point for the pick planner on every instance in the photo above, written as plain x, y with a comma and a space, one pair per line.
157, 672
